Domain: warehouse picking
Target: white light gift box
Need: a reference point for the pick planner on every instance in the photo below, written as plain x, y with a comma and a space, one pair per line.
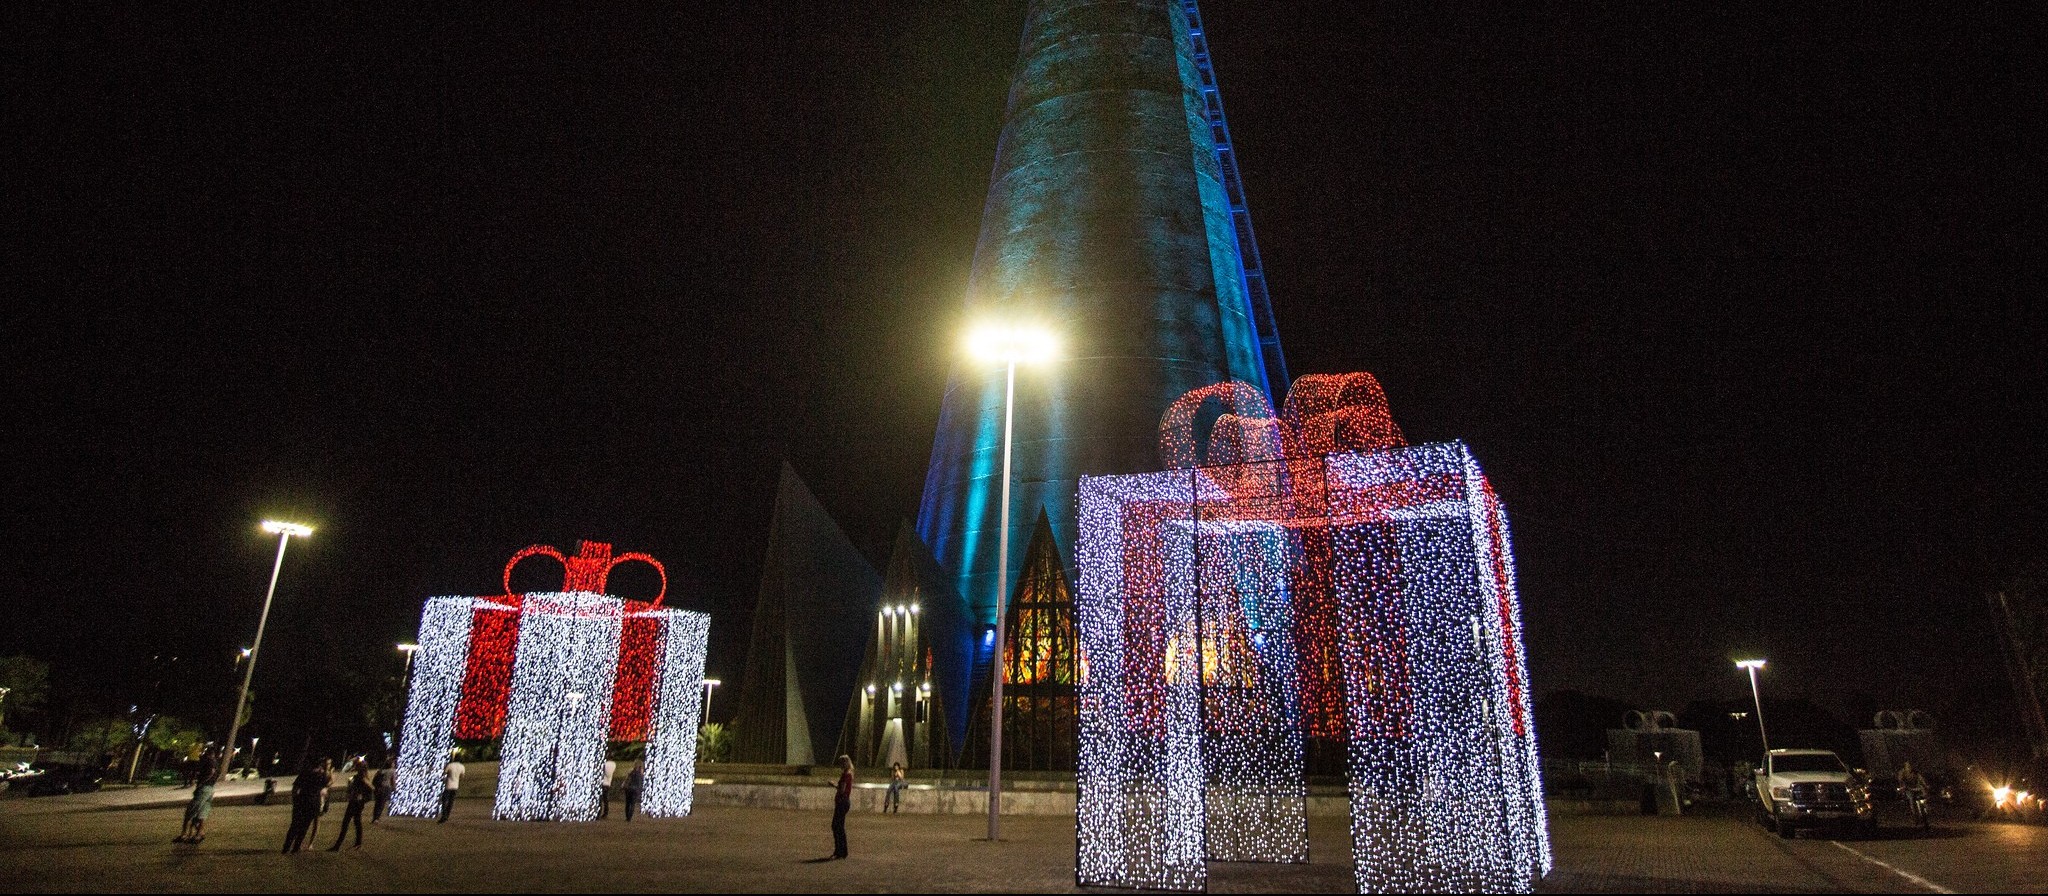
559, 662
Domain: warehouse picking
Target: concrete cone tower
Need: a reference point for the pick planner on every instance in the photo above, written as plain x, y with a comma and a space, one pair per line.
1114, 217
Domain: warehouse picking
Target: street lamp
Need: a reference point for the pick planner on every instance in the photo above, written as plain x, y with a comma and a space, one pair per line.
1752, 666
284, 533
405, 670
709, 683
1008, 344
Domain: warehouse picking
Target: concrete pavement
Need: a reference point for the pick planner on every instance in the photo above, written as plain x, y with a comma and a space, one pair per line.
82, 843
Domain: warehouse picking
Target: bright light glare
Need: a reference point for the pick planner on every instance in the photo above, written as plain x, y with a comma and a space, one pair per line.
275, 527
1011, 344
408, 648
713, 682
1749, 664
1999, 795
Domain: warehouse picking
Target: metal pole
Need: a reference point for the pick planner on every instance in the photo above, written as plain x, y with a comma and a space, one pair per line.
995, 733
249, 671
1758, 696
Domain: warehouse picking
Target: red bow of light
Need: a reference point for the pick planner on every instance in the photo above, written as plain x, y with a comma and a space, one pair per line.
1253, 453
494, 642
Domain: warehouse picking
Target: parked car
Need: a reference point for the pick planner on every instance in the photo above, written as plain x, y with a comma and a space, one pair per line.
1812, 789
57, 778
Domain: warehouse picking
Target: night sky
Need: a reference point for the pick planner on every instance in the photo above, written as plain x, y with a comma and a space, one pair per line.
1739, 307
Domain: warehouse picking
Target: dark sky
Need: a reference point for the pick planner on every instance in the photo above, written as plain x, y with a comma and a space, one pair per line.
1738, 306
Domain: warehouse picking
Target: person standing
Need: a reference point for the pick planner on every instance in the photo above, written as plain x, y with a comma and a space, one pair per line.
359, 795
451, 781
305, 806
604, 789
894, 801
381, 785
327, 769
842, 802
196, 812
636, 781
325, 774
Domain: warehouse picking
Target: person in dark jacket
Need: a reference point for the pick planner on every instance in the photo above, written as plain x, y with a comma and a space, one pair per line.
381, 785
636, 781
842, 802
306, 790
359, 795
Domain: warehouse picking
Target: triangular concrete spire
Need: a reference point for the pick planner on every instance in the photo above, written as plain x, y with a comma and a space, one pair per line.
815, 589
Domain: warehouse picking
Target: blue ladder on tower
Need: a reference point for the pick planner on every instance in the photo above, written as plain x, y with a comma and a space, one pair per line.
1240, 215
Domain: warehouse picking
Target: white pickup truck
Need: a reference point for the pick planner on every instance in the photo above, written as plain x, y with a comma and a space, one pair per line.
1812, 789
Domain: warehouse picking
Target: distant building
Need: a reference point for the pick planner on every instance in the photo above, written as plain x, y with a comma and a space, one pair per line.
913, 684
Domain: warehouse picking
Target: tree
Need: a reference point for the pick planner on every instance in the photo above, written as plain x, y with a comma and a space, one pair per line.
27, 681
174, 735
103, 736
713, 743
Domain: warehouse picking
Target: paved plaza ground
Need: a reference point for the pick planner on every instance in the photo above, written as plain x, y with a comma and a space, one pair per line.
92, 843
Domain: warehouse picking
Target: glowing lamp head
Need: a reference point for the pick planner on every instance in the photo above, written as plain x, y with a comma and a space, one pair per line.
407, 648
712, 682
275, 527
1011, 344
1749, 664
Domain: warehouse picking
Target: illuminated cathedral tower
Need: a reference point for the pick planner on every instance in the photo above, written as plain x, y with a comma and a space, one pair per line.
1116, 218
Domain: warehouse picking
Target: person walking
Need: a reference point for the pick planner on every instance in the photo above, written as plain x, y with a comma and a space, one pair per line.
359, 795
305, 806
636, 781
894, 801
842, 802
604, 789
381, 785
451, 781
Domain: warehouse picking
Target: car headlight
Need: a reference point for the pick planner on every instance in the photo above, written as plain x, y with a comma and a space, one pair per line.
1781, 793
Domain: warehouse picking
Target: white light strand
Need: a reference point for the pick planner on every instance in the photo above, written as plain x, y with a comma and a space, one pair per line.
671, 760
428, 730
551, 763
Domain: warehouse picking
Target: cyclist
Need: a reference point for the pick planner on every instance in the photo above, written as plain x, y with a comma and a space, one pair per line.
1914, 788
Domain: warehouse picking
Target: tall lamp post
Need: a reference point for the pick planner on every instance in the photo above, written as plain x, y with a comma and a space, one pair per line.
284, 533
1752, 666
709, 683
1008, 344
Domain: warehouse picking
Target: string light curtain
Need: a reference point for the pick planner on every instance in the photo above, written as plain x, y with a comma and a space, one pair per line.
670, 772
439, 666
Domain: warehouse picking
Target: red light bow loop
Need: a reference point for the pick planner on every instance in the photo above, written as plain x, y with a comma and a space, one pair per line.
650, 561
529, 552
590, 568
